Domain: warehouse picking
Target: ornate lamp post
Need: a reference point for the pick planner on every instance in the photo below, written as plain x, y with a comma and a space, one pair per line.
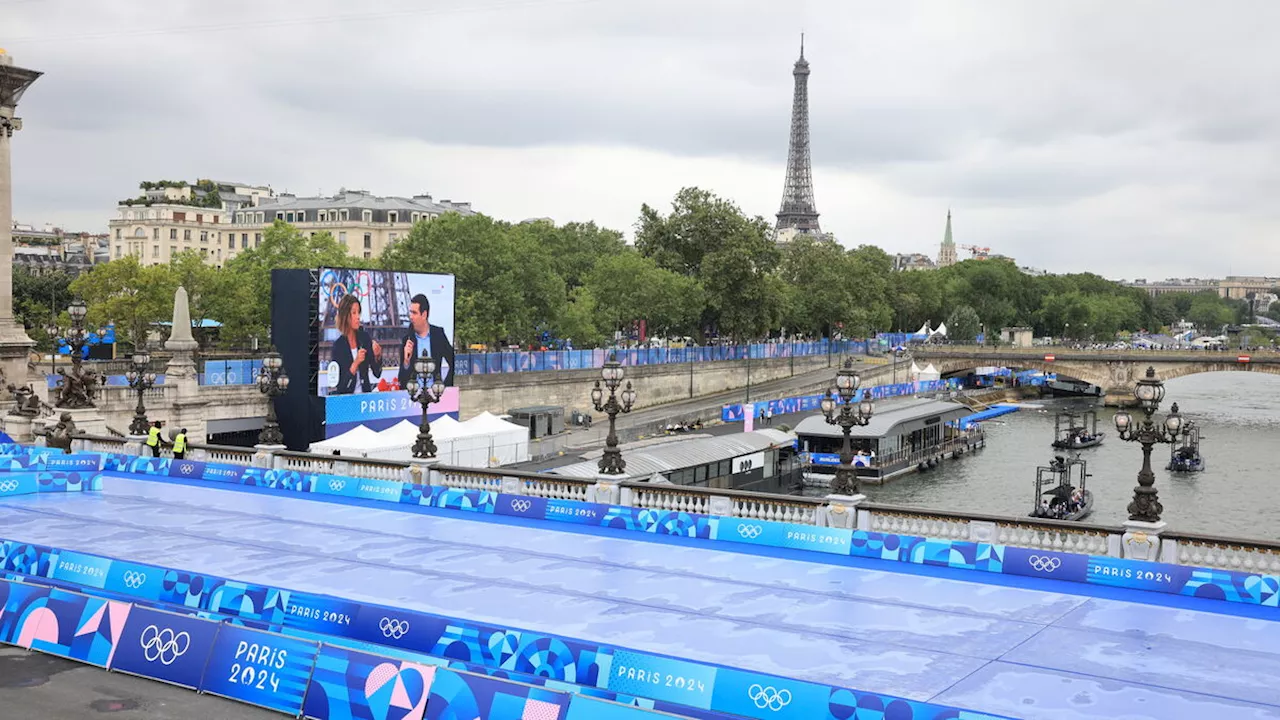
847, 417
272, 382
611, 463
140, 380
423, 389
1149, 392
79, 386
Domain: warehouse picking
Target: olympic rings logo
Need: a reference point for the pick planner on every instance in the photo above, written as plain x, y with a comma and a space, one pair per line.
750, 532
521, 506
163, 645
134, 580
393, 628
186, 469
768, 697
1046, 564
8, 486
337, 485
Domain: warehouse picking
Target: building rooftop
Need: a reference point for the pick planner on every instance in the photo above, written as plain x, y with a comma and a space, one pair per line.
883, 421
360, 200
643, 463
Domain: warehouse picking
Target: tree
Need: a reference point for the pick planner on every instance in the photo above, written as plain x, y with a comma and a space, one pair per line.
963, 325
37, 299
628, 286
132, 296
709, 238
506, 287
242, 301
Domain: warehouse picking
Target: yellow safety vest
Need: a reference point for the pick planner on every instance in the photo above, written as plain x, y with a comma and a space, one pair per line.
180, 442
153, 436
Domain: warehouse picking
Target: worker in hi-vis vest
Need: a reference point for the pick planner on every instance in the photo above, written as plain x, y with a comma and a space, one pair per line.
153, 439
180, 444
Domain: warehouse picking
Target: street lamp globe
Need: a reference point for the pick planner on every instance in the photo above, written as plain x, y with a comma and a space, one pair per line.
141, 359
1173, 423
597, 394
828, 404
1123, 420
411, 385
866, 408
283, 381
77, 310
612, 372
424, 366
628, 396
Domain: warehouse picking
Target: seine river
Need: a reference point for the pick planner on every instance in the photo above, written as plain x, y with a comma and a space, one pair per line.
1237, 495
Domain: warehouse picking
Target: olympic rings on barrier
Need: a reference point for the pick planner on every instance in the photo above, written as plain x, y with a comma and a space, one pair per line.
8, 486
393, 628
337, 485
769, 697
133, 579
1042, 563
163, 645
751, 532
521, 506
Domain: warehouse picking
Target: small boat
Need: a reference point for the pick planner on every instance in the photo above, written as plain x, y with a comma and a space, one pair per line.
1070, 435
1072, 388
1066, 497
1185, 455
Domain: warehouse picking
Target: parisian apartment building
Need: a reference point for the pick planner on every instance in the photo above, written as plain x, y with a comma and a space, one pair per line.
223, 219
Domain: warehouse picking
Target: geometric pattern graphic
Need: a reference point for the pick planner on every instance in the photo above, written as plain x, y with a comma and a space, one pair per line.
347, 685
80, 627
457, 696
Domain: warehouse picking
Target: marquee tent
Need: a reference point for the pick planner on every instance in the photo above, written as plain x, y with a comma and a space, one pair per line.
351, 442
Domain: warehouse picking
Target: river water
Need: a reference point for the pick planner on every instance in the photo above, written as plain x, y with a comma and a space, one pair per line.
1237, 495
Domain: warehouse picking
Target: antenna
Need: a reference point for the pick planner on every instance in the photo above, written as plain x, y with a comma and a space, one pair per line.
802, 44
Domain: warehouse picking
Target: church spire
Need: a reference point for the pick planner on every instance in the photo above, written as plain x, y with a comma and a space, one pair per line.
947, 253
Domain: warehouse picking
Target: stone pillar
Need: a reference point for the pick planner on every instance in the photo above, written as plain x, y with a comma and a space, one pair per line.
187, 408
841, 511
15, 346
1141, 540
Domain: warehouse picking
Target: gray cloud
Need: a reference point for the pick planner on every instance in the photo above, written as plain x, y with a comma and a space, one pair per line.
1033, 120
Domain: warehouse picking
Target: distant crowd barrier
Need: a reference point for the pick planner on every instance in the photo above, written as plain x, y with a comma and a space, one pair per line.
810, 403
541, 360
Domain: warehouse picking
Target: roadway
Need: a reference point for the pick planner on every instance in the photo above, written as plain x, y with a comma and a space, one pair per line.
1020, 651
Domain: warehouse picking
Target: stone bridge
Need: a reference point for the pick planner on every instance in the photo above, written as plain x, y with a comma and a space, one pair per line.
1115, 371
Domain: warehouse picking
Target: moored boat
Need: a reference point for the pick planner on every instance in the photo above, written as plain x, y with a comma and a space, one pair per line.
1060, 490
1070, 435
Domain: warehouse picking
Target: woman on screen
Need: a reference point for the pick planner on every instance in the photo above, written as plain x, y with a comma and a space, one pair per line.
357, 355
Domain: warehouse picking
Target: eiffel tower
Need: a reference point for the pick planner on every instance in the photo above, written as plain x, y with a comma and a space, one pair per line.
798, 210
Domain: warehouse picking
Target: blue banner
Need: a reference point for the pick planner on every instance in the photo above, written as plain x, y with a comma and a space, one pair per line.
1158, 577
190, 469
524, 506
165, 646
316, 613
79, 627
754, 695
784, 535
260, 668
348, 684
400, 628
227, 473
573, 511
78, 462
662, 678
14, 484
1045, 564
80, 568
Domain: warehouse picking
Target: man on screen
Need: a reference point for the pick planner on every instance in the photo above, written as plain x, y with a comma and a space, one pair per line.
424, 338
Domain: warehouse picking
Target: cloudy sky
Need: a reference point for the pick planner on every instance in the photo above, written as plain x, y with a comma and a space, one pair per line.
1132, 139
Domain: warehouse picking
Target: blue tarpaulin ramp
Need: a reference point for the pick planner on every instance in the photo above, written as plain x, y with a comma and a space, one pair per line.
1020, 650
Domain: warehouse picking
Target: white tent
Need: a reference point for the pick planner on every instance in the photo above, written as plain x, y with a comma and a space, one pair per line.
923, 332
396, 442
929, 373
942, 330
505, 442
352, 442
914, 373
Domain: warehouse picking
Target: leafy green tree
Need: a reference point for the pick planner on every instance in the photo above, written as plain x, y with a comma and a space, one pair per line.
963, 325
37, 299
506, 287
709, 238
628, 286
242, 300
125, 292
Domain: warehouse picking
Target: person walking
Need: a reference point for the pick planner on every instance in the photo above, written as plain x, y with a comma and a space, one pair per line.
153, 438
180, 444
768, 415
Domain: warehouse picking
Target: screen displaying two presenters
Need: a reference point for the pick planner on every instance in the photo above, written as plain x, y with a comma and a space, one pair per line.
373, 324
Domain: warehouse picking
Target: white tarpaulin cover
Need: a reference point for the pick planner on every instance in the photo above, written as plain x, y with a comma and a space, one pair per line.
351, 442
483, 441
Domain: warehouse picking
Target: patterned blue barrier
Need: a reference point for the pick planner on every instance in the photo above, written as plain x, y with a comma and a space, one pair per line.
809, 403
254, 666
540, 360
30, 483
1231, 586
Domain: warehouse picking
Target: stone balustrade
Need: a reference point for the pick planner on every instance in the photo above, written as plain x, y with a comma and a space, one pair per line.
852, 513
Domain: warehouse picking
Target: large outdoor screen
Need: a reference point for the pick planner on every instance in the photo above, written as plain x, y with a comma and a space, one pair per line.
373, 323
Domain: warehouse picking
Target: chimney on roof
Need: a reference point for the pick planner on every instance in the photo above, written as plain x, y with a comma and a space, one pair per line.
424, 197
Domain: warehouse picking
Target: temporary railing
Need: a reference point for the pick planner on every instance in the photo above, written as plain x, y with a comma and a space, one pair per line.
831, 511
